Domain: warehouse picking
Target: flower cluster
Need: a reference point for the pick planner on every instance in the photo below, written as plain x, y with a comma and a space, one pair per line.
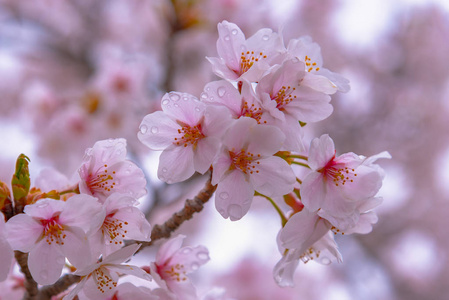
248, 129
85, 227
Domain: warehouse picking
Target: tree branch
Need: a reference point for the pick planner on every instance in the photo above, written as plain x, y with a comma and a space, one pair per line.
30, 284
191, 206
58, 287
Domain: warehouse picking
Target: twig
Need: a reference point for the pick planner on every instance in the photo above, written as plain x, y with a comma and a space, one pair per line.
58, 287
191, 206
30, 284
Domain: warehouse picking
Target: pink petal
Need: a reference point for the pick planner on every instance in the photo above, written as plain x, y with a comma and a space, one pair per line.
321, 151
176, 164
22, 232
45, 262
158, 131
233, 196
275, 177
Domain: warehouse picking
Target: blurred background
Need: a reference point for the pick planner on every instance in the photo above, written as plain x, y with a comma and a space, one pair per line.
77, 71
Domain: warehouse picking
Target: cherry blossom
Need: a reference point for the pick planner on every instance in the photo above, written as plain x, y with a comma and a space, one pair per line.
51, 230
288, 101
188, 131
317, 77
340, 188
172, 265
244, 58
240, 104
305, 236
105, 170
6, 252
99, 280
246, 164
122, 221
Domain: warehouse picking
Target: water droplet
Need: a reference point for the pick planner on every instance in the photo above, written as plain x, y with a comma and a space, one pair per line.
227, 38
197, 109
265, 37
42, 204
221, 91
234, 31
187, 250
204, 96
174, 97
154, 130
224, 195
235, 211
176, 105
143, 129
60, 260
202, 256
208, 89
43, 274
325, 261
164, 170
165, 102
194, 266
185, 98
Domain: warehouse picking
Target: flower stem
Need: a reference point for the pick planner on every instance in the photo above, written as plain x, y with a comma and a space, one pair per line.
300, 156
276, 207
301, 164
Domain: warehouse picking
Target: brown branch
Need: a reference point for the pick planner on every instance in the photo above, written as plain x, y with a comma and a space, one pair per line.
191, 206
58, 287
30, 284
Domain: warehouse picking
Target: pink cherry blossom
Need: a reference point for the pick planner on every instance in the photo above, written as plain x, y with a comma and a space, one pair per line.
317, 77
105, 170
240, 104
340, 188
52, 230
122, 221
288, 101
172, 265
244, 58
99, 280
246, 164
6, 252
188, 131
305, 236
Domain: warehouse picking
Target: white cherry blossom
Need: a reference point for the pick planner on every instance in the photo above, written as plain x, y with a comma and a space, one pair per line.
245, 58
52, 230
246, 164
188, 131
105, 170
172, 265
99, 280
340, 188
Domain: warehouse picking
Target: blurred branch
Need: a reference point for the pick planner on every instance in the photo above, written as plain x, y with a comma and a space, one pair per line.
30, 284
58, 287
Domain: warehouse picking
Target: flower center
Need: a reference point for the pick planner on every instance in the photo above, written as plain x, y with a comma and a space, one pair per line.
284, 96
247, 60
189, 135
53, 231
310, 254
175, 273
310, 66
113, 231
251, 111
337, 173
101, 180
244, 161
103, 279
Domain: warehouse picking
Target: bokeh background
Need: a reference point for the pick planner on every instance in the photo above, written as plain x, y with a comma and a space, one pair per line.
76, 71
